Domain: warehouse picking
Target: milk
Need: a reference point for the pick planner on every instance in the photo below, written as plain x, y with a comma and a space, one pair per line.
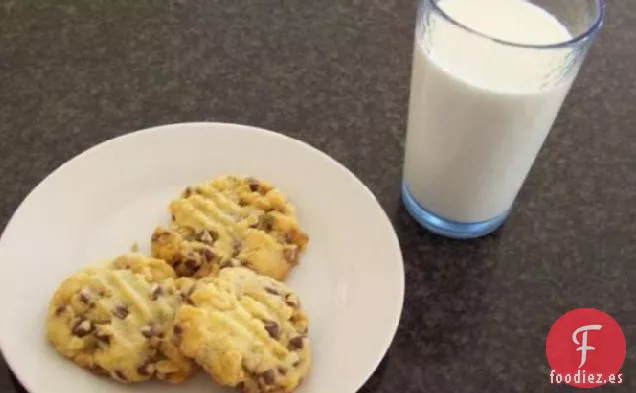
480, 111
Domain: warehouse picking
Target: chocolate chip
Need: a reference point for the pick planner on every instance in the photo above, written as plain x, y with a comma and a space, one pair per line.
176, 259
291, 300
156, 236
256, 185
227, 262
157, 290
102, 337
145, 369
272, 328
288, 238
60, 310
150, 331
296, 342
282, 371
267, 222
82, 328
192, 265
177, 330
85, 297
206, 237
253, 184
97, 369
296, 364
121, 311
185, 295
272, 291
207, 254
236, 248
269, 376
172, 217
291, 255
120, 375
187, 192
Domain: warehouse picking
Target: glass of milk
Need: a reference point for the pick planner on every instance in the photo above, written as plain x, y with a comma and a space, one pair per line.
488, 79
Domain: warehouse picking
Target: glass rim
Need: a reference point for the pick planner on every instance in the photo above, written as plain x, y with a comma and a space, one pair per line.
600, 7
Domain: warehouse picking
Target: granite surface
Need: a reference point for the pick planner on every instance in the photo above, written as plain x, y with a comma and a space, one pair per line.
76, 72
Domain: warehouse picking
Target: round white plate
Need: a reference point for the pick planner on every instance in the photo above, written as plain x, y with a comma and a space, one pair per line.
350, 280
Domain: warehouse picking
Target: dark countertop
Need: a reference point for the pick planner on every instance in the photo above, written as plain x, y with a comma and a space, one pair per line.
76, 72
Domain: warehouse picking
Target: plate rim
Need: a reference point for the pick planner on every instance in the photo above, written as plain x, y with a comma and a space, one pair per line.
169, 127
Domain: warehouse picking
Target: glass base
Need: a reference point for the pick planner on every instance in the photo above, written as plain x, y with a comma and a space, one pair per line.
453, 229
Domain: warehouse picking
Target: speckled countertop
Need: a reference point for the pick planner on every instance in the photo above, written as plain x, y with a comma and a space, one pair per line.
335, 73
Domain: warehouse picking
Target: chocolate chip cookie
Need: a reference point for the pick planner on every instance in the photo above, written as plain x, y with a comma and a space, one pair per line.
117, 319
246, 330
231, 221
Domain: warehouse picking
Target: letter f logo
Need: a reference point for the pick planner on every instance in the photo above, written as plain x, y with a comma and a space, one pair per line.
583, 344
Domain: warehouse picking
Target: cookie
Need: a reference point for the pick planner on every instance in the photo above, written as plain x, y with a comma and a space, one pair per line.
245, 330
243, 221
117, 319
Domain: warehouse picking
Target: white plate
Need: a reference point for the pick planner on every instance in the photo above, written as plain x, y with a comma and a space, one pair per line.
351, 279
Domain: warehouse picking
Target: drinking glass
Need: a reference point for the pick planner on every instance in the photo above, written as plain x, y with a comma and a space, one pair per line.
486, 87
